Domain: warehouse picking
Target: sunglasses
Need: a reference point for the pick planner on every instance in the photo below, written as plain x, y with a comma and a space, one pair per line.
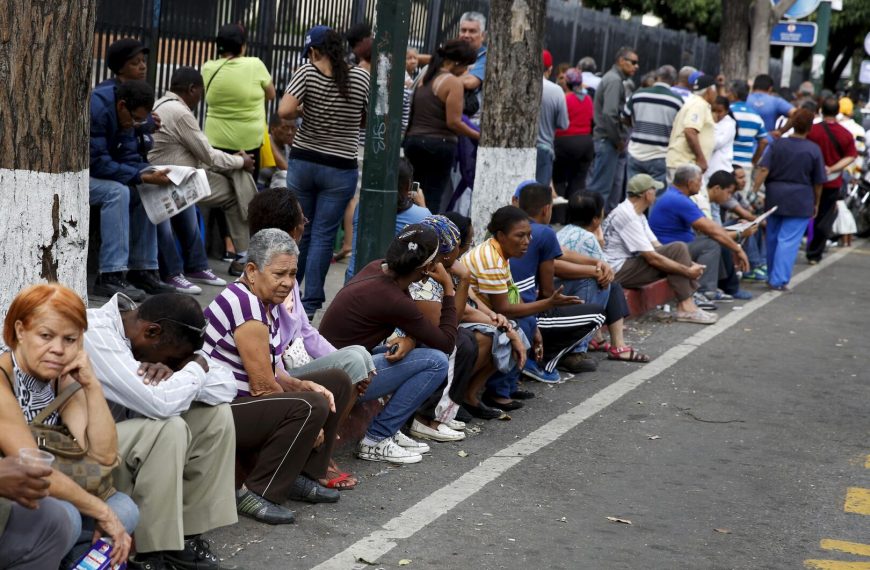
199, 331
632, 61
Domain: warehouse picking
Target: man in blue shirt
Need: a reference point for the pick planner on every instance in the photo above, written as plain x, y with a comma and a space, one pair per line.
533, 274
769, 106
751, 139
472, 30
675, 217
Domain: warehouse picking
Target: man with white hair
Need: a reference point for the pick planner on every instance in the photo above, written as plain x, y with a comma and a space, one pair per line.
472, 30
694, 132
683, 86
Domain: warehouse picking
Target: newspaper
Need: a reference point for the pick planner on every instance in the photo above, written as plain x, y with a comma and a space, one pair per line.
189, 186
742, 227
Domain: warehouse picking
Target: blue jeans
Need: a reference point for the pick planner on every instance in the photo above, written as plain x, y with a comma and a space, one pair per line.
502, 384
784, 235
129, 239
83, 527
655, 168
323, 193
410, 382
606, 178
544, 166
192, 257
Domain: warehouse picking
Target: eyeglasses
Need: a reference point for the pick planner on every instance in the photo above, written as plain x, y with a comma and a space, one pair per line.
199, 331
634, 62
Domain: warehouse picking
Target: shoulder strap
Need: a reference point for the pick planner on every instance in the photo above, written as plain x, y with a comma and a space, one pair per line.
210, 79
56, 404
6, 368
833, 138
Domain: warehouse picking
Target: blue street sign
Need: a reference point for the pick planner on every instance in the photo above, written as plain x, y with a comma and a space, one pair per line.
800, 9
799, 34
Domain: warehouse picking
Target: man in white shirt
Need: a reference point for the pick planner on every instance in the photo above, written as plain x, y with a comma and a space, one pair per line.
176, 437
637, 257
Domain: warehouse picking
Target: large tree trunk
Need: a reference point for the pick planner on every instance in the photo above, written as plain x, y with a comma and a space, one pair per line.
45, 69
511, 104
764, 16
734, 38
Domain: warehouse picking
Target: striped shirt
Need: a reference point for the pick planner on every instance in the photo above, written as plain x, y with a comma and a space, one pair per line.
750, 130
490, 272
33, 394
329, 133
235, 306
117, 369
652, 110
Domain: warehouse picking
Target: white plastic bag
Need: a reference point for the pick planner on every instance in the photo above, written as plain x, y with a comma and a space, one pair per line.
845, 223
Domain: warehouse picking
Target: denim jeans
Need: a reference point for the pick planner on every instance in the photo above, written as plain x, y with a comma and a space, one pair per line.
606, 178
192, 257
323, 193
129, 239
83, 527
655, 168
784, 235
544, 166
410, 382
503, 384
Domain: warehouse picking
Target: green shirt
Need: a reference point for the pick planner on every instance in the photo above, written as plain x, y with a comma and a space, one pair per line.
236, 112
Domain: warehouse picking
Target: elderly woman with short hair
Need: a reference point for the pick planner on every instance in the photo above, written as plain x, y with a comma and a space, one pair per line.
290, 423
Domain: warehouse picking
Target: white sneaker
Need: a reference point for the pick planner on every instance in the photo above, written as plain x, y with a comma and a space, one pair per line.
387, 450
406, 442
455, 424
443, 433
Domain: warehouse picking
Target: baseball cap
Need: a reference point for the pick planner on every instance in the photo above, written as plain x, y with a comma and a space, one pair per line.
704, 82
522, 185
548, 59
640, 183
121, 51
846, 106
315, 38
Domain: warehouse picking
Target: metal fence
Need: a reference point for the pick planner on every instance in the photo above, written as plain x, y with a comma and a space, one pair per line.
181, 32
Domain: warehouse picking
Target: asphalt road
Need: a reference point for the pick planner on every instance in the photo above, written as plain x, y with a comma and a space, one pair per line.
741, 445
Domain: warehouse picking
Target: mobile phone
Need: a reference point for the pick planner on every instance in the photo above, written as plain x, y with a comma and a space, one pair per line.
415, 187
393, 349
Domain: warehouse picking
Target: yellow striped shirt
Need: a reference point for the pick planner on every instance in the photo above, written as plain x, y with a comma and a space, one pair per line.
490, 272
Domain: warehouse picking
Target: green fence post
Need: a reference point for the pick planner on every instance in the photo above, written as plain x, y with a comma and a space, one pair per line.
377, 205
820, 50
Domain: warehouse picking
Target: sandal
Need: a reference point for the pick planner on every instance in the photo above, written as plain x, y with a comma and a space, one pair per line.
599, 346
337, 479
633, 356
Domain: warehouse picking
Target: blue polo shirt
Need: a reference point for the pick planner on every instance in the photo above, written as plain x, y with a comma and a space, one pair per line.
672, 217
524, 270
750, 130
769, 107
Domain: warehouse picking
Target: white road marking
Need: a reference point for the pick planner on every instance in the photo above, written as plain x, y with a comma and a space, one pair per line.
426, 511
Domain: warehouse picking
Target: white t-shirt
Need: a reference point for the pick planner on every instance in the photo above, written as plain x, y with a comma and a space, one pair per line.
626, 234
723, 149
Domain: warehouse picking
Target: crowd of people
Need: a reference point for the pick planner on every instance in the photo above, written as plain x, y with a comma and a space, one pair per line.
199, 416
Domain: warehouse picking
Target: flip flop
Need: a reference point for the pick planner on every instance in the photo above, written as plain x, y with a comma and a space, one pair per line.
335, 483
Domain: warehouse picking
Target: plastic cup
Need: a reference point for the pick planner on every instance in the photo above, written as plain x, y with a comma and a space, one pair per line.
35, 457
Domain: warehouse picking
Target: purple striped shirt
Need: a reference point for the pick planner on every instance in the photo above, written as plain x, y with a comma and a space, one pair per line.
231, 309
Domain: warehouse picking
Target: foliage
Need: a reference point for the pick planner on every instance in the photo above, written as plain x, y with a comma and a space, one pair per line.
702, 17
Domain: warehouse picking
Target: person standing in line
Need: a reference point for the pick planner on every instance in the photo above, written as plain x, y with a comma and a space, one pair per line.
553, 115
683, 86
652, 111
610, 133
573, 145
769, 106
589, 68
694, 134
331, 97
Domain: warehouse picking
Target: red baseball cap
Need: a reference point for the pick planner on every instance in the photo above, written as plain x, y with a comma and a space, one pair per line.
548, 59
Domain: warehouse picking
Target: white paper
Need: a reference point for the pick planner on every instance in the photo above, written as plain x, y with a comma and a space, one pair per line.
742, 227
189, 186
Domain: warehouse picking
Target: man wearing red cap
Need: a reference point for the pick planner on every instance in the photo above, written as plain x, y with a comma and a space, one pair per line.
553, 115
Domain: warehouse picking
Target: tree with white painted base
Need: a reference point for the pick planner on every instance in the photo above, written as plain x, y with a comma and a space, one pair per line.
511, 104
45, 69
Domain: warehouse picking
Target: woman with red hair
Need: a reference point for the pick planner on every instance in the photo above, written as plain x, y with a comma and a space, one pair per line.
44, 331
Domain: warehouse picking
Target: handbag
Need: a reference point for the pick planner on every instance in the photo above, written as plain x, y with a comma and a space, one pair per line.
295, 355
70, 458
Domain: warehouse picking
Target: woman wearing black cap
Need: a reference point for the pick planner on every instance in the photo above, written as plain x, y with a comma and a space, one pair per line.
236, 89
331, 98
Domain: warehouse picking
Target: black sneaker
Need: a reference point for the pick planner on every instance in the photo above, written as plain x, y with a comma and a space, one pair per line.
148, 561
577, 362
253, 505
197, 555
482, 411
110, 284
310, 491
149, 281
237, 267
463, 416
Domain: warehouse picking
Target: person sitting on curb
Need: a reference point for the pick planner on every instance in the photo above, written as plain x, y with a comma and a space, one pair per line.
637, 257
368, 309
675, 217
583, 235
285, 427
175, 432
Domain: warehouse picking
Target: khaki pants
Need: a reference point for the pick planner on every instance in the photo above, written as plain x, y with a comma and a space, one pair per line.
180, 473
235, 208
636, 272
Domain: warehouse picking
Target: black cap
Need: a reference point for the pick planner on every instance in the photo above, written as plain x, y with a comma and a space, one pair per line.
121, 51
704, 82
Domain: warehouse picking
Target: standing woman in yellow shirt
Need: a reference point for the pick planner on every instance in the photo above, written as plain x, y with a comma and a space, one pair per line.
236, 90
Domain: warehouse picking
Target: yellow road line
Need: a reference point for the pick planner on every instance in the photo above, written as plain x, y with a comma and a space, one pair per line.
857, 501
836, 565
844, 546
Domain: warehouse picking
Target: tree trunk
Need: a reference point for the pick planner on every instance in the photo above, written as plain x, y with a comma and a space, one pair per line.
764, 16
511, 104
45, 69
734, 38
